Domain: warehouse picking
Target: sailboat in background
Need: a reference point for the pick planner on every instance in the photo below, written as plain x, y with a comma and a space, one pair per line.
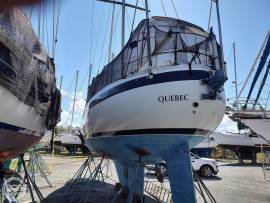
158, 98
255, 113
29, 98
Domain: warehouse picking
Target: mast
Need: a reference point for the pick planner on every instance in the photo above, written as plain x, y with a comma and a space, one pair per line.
235, 76
111, 36
220, 34
124, 5
61, 80
90, 72
255, 62
54, 129
123, 38
148, 33
74, 99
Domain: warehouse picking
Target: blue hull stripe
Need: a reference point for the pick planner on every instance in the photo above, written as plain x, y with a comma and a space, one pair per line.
164, 131
10, 127
157, 78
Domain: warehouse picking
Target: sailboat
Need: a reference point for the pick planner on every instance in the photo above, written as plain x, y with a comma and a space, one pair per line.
160, 96
254, 113
29, 98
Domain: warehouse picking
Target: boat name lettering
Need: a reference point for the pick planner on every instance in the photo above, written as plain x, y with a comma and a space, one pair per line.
174, 97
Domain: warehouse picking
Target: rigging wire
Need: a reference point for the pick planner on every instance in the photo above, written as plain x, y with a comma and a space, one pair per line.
113, 42
92, 28
134, 15
98, 34
43, 22
129, 22
163, 8
174, 8
47, 32
56, 26
103, 43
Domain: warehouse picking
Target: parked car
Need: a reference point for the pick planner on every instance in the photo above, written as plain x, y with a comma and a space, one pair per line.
204, 166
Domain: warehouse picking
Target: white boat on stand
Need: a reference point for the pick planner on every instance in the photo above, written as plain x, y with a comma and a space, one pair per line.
29, 99
255, 112
158, 98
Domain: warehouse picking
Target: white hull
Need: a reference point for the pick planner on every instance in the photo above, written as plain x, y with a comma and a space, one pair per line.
141, 110
260, 126
257, 121
16, 113
232, 139
20, 126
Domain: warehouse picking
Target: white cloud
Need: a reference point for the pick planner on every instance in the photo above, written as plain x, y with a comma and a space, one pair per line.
78, 110
227, 125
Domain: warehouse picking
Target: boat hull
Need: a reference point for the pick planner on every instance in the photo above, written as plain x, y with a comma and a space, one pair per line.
20, 126
152, 148
169, 113
260, 126
257, 121
14, 143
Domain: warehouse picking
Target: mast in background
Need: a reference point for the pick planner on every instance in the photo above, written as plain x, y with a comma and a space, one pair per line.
235, 76
74, 99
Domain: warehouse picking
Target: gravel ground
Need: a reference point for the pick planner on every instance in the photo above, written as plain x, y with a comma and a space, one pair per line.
235, 183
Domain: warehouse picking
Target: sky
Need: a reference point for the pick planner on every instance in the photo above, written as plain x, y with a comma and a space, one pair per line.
83, 39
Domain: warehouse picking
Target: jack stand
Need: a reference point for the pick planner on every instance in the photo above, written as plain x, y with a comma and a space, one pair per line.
36, 161
202, 189
5, 196
85, 169
28, 180
85, 180
107, 166
134, 181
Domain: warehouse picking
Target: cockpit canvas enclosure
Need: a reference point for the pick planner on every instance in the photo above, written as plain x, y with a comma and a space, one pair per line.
172, 42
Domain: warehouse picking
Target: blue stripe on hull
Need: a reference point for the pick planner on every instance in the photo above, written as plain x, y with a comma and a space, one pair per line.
170, 76
157, 131
6, 126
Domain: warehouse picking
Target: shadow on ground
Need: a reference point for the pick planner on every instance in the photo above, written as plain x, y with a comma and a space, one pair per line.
213, 178
241, 164
87, 191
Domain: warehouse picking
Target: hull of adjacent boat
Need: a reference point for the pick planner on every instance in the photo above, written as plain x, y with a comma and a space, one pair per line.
20, 125
154, 117
260, 126
257, 121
